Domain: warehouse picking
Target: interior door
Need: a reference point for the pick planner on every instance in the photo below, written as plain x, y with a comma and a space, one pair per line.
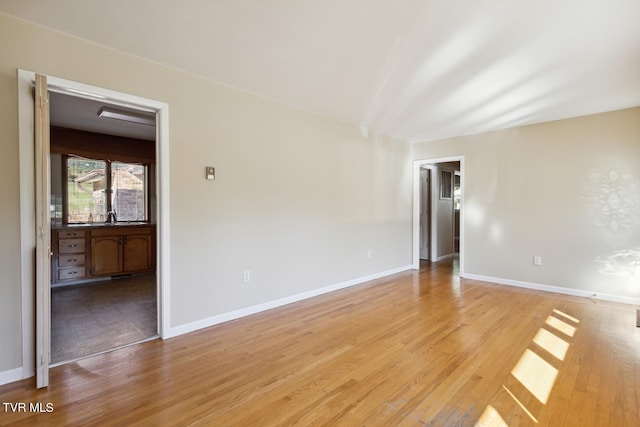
425, 218
43, 231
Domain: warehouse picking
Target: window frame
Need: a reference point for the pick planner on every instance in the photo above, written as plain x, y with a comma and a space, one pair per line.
108, 187
446, 184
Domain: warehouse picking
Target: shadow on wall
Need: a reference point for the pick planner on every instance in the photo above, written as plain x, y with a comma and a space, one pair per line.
614, 205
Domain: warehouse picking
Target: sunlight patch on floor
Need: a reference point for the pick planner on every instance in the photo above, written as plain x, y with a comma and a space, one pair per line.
520, 404
563, 327
552, 343
565, 315
491, 418
535, 373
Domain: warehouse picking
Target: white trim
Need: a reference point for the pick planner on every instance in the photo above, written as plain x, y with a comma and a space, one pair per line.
429, 163
27, 198
415, 245
10, 376
247, 311
163, 229
443, 257
556, 289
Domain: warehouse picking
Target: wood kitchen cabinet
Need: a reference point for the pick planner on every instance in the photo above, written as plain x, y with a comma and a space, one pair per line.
121, 250
106, 255
100, 251
69, 255
138, 252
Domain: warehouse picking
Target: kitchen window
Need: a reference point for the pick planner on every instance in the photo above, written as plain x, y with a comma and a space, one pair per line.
104, 191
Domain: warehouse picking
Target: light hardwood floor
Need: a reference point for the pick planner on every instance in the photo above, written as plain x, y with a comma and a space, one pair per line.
416, 348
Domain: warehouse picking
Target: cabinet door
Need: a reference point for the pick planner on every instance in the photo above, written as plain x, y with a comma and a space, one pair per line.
138, 253
106, 255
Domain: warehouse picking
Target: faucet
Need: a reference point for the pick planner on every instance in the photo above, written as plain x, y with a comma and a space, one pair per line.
111, 216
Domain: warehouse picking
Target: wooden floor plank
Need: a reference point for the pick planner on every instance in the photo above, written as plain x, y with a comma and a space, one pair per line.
415, 348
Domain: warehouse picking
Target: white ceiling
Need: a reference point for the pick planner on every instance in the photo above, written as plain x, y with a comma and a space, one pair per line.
80, 113
417, 70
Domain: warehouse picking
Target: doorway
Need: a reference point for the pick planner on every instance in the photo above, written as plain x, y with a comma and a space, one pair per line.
36, 320
444, 200
103, 217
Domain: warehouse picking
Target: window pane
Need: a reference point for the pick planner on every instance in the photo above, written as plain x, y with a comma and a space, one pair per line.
445, 184
85, 190
457, 192
129, 182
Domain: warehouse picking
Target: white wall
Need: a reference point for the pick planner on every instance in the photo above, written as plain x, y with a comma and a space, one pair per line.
298, 199
568, 191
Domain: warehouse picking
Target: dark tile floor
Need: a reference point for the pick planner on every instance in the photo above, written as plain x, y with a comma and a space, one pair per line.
91, 318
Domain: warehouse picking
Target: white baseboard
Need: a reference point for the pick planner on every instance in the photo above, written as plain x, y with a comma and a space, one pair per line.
443, 257
557, 289
236, 314
10, 376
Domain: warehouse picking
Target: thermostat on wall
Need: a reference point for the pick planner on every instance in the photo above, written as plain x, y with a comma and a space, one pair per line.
210, 172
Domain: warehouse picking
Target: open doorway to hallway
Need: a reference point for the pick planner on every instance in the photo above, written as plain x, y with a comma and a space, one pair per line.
438, 202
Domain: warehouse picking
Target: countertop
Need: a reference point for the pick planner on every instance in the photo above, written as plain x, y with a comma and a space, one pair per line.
104, 225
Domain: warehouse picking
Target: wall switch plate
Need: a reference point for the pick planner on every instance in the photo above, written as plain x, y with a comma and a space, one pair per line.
537, 260
210, 172
246, 276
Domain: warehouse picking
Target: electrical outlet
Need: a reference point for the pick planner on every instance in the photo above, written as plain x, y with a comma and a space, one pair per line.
537, 260
247, 276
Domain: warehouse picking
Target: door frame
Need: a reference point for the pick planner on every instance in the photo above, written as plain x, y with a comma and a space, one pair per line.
427, 223
428, 163
28, 208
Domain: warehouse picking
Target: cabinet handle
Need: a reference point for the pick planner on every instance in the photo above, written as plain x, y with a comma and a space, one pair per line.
71, 272
73, 246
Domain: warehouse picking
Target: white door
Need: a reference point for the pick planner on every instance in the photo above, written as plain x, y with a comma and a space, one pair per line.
425, 218
43, 231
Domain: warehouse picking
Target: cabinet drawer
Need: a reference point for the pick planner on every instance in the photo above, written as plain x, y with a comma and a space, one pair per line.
72, 259
71, 234
69, 273
71, 246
